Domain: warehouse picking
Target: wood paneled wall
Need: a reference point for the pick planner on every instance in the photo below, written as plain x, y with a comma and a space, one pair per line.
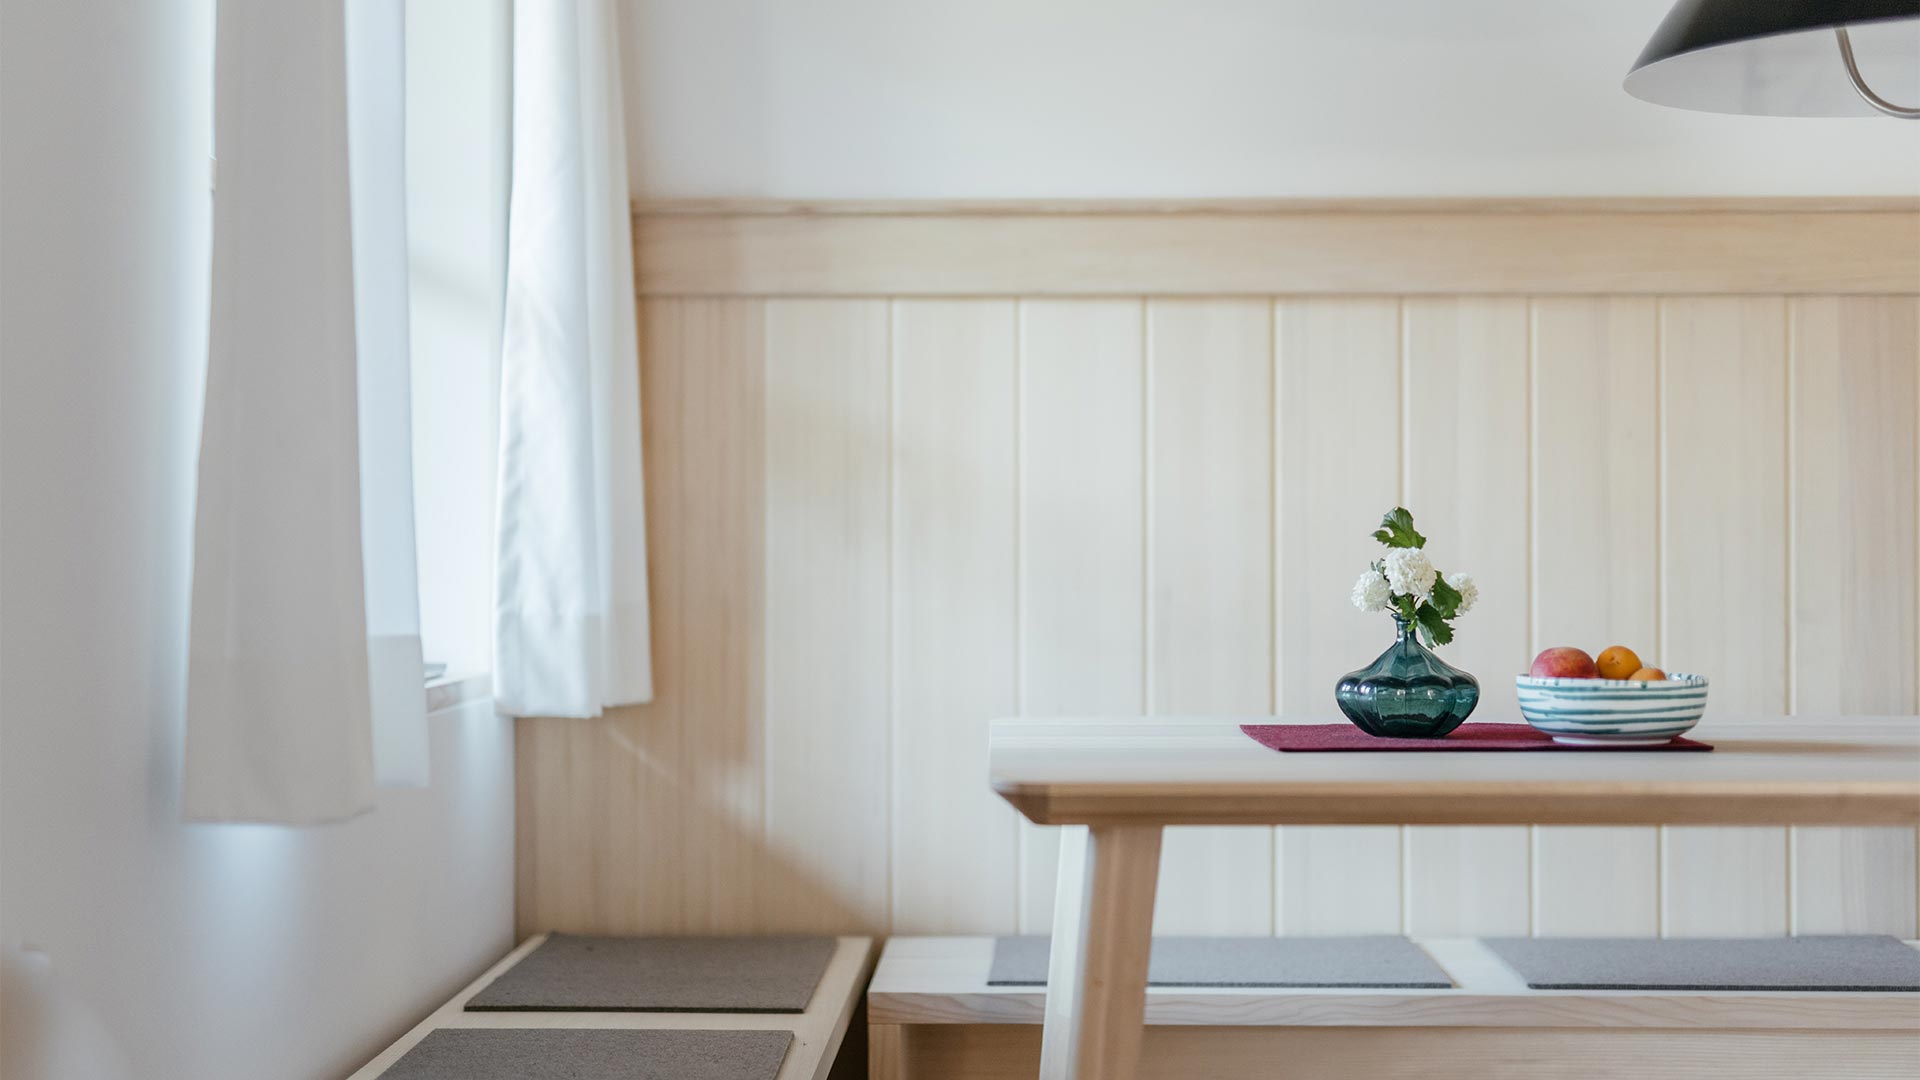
881, 518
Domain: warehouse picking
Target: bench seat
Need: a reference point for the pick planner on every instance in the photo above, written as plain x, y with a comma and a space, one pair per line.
818, 1033
932, 1015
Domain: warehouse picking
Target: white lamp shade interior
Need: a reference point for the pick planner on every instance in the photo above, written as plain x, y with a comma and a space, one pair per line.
1796, 74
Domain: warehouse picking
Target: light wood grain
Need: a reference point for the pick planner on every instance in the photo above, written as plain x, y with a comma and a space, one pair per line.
1102, 927
828, 417
1595, 567
1628, 204
1854, 363
1466, 471
886, 1052
1724, 517
1852, 881
689, 765
1468, 880
1466, 483
716, 349
1209, 600
1723, 882
1193, 770
672, 816
1723, 572
1339, 453
818, 1031
1596, 474
1082, 531
1341, 880
943, 980
954, 621
1596, 881
991, 1052
1338, 449
1205, 251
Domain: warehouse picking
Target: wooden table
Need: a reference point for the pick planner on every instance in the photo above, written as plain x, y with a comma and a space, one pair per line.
1122, 780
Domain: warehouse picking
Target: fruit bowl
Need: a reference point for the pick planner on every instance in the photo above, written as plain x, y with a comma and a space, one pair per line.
1613, 712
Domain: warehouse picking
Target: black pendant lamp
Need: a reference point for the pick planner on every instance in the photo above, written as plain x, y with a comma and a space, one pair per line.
1785, 58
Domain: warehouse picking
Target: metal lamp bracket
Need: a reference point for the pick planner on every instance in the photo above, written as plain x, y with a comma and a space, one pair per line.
1860, 84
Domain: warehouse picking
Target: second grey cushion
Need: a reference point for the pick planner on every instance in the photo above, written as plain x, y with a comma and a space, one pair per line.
570, 973
592, 1054
1864, 962
1385, 962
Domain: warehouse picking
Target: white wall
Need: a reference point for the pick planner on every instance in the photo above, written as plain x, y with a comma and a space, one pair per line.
1197, 98
170, 952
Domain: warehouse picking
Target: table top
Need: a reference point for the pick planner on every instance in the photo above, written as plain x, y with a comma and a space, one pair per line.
1205, 771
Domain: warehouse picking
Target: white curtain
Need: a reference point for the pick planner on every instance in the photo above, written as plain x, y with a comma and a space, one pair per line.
570, 628
304, 685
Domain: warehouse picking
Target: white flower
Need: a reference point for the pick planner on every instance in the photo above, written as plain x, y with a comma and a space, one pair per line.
1469, 592
1409, 572
1371, 591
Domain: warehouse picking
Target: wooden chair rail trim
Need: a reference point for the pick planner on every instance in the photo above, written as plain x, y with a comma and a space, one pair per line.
749, 207
1299, 247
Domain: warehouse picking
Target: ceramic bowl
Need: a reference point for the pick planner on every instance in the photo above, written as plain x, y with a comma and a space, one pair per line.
1613, 712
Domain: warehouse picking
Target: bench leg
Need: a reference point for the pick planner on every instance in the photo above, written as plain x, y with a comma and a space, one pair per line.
886, 1052
1097, 975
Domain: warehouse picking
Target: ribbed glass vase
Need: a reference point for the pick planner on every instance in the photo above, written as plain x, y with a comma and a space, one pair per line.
1407, 692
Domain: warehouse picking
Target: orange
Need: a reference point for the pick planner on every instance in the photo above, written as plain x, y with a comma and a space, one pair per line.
1618, 662
1649, 674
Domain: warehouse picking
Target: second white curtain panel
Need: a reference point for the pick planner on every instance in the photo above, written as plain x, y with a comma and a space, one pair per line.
571, 634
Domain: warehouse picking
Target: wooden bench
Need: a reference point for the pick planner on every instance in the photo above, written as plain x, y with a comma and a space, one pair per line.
818, 1033
932, 1016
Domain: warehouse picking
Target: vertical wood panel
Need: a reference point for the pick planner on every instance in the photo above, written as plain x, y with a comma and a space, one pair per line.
827, 431
1723, 882
1854, 420
1853, 881
715, 681
1596, 881
1082, 533
1337, 407
954, 621
874, 526
1466, 483
1466, 472
1210, 484
574, 780
649, 820
1724, 577
1596, 575
1470, 881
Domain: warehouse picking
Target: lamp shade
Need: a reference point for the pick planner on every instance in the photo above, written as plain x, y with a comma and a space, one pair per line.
1779, 57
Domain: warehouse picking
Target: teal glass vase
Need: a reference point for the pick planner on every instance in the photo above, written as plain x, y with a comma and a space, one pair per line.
1408, 692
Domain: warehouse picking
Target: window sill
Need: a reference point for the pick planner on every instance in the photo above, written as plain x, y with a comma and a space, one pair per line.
453, 690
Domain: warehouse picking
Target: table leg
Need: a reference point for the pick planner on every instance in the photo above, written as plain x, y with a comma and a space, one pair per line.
1097, 975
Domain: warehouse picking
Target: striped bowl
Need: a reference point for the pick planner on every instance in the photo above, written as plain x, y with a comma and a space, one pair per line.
1613, 712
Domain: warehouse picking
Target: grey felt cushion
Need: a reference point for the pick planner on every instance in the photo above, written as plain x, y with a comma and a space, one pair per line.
1865, 962
570, 973
592, 1054
1385, 962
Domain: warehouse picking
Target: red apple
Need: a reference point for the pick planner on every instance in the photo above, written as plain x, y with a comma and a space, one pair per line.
1563, 664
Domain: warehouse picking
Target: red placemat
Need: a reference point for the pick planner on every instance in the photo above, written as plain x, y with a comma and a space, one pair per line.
1312, 738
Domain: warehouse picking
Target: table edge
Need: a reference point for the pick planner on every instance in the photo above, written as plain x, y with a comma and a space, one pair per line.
1686, 802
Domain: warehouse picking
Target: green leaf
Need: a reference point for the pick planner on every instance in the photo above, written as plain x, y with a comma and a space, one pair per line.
1405, 604
1396, 530
1435, 624
1446, 598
